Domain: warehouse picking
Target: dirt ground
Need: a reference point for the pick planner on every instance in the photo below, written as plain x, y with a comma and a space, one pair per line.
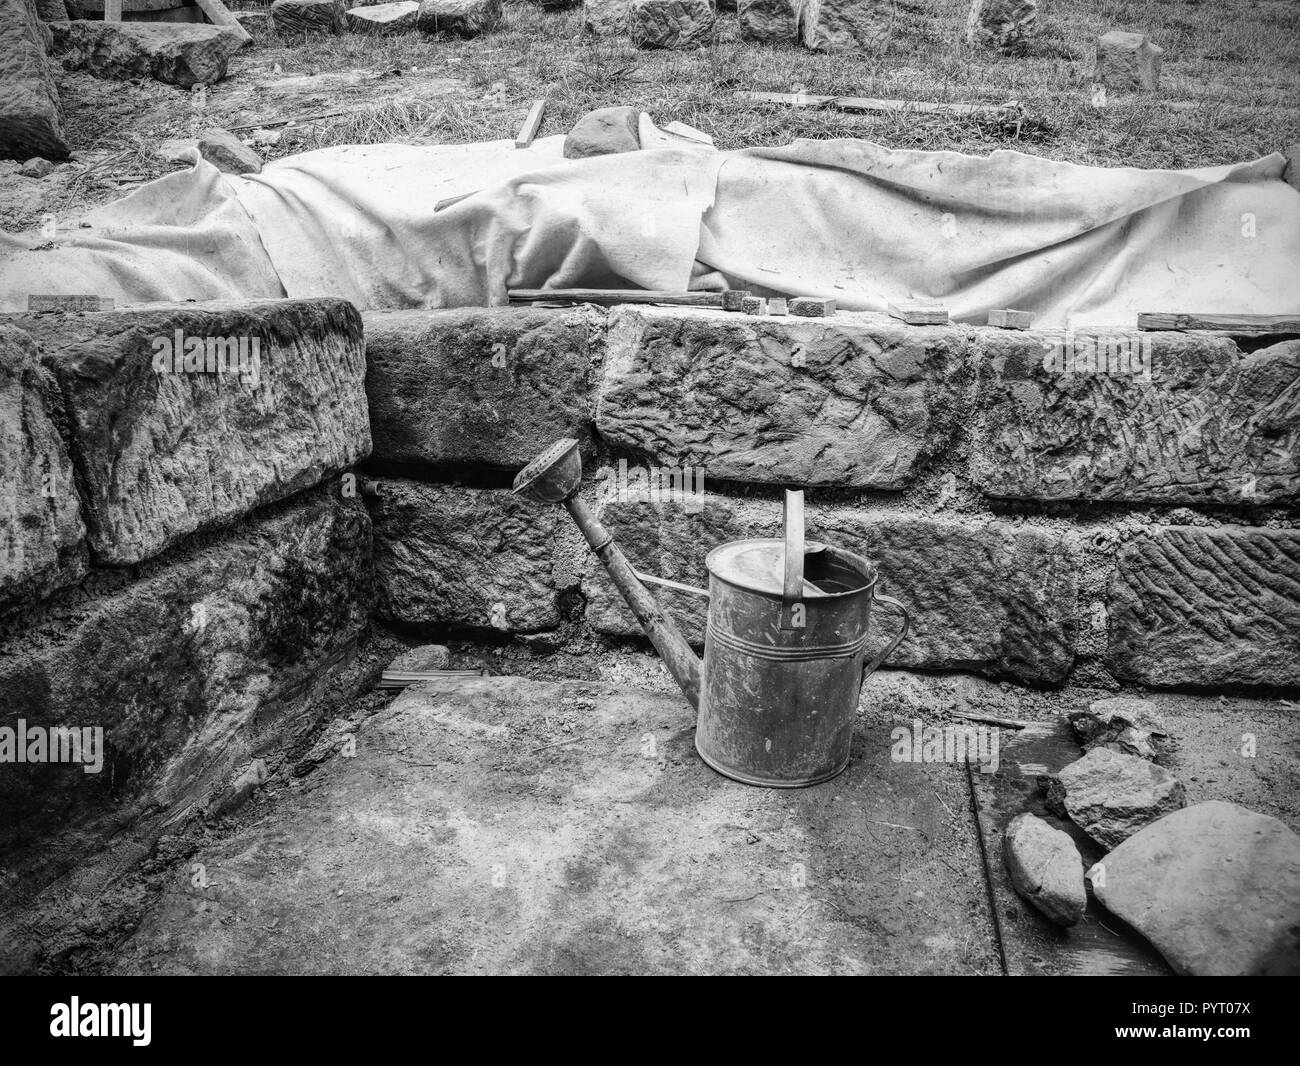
1230, 82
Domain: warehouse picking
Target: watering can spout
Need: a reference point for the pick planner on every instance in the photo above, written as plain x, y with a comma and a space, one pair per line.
554, 477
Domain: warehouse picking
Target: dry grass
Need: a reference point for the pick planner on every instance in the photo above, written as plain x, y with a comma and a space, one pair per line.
1239, 62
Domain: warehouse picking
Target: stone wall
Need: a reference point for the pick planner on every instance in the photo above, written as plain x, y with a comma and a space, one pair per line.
183, 556
1115, 509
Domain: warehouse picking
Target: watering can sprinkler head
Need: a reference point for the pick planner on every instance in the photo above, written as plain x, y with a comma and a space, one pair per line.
553, 476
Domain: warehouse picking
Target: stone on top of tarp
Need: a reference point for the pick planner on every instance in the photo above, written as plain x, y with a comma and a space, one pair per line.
31, 117
605, 131
180, 53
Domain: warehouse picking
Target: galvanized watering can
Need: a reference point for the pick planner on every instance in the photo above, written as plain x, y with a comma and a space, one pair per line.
785, 648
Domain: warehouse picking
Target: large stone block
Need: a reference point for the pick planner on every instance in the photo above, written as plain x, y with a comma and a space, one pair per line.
479, 386
770, 20
42, 536
166, 448
848, 25
672, 23
605, 18
452, 556
292, 18
984, 595
856, 401
1127, 61
1155, 417
1007, 26
379, 19
193, 672
180, 53
1207, 606
31, 116
465, 18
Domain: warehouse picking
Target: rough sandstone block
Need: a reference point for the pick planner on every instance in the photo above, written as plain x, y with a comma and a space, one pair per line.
292, 18
194, 672
448, 555
31, 116
479, 387
1153, 417
1110, 795
605, 18
184, 54
1006, 26
679, 24
984, 595
1127, 61
383, 18
855, 401
1212, 607
162, 452
465, 18
848, 25
770, 20
42, 536
605, 131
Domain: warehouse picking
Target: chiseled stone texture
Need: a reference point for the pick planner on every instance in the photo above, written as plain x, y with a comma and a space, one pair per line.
456, 556
770, 20
196, 671
162, 454
1007, 26
605, 18
180, 53
479, 386
31, 115
1207, 606
1061, 419
849, 25
672, 23
383, 18
858, 400
465, 18
984, 595
42, 536
292, 18
1110, 795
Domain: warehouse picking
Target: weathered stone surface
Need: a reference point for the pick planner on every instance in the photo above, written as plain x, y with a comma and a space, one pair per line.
1045, 868
672, 23
856, 401
605, 18
1007, 26
983, 595
161, 453
295, 17
1127, 61
31, 116
180, 53
1122, 724
1212, 607
447, 555
37, 167
1110, 796
605, 131
1215, 887
52, 10
425, 657
1151, 417
193, 672
848, 25
228, 153
384, 18
770, 20
42, 537
465, 18
477, 386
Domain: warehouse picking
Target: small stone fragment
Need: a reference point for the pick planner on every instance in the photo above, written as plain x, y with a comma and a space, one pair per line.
1130, 726
777, 305
733, 299
228, 153
1006, 26
421, 659
1045, 868
36, 167
770, 20
812, 307
754, 305
1110, 796
605, 18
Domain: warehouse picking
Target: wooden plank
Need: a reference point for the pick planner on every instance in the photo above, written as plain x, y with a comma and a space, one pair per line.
400, 679
528, 131
862, 103
610, 297
918, 314
1032, 945
1008, 319
1241, 325
219, 15
689, 133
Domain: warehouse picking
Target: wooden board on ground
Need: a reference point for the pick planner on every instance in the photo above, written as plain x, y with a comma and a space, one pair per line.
528, 131
219, 15
1100, 944
610, 297
1237, 325
861, 103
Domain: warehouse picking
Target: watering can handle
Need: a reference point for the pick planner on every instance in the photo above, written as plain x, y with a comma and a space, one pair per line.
792, 585
870, 668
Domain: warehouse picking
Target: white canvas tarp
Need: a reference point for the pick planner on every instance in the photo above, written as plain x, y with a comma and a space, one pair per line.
848, 219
